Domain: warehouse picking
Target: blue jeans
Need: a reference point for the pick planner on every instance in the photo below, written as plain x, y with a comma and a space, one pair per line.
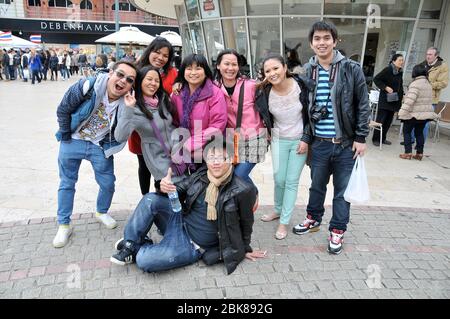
69, 160
327, 159
426, 129
243, 171
176, 248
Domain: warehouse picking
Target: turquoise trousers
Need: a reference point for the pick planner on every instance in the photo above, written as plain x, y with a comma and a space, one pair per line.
287, 168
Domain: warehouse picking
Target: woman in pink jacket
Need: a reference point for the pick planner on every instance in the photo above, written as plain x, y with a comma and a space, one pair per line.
201, 106
252, 137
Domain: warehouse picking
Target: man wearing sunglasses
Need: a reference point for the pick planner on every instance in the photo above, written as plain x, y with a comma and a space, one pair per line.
87, 119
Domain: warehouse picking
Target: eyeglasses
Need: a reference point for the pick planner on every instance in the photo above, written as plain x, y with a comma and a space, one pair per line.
121, 75
216, 159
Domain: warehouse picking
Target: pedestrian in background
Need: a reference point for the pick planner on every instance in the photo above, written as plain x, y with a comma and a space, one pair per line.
53, 65
390, 83
35, 66
416, 111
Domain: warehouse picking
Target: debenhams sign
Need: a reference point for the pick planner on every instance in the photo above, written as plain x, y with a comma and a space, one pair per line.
76, 26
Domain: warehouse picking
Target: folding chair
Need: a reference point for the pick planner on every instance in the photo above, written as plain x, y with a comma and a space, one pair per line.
436, 123
373, 102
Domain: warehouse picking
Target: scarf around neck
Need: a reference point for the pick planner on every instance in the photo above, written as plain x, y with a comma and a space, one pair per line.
212, 192
188, 104
151, 102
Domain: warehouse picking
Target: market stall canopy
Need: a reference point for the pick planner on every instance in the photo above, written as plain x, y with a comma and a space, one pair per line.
165, 8
127, 35
173, 37
17, 42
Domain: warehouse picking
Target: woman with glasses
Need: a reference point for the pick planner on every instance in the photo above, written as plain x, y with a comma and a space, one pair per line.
200, 106
152, 111
158, 54
283, 99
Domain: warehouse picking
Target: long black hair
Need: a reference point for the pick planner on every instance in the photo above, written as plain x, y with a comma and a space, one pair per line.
191, 59
157, 44
272, 56
217, 76
163, 98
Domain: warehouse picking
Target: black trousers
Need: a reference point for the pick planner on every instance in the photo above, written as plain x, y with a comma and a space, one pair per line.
144, 175
418, 127
384, 117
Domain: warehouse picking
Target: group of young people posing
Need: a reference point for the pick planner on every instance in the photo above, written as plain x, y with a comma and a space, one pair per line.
200, 133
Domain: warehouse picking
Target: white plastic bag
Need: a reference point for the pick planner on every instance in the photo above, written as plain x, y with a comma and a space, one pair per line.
26, 74
357, 191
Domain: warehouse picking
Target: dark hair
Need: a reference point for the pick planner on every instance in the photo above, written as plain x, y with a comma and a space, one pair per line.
103, 59
222, 143
272, 56
419, 70
198, 59
396, 56
157, 44
217, 75
163, 98
130, 64
292, 59
323, 26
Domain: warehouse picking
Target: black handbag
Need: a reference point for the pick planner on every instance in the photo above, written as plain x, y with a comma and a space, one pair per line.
392, 97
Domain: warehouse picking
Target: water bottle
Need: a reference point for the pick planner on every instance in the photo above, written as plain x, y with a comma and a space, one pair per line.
175, 201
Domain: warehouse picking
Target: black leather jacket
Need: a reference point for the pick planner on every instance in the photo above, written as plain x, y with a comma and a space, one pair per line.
350, 101
234, 214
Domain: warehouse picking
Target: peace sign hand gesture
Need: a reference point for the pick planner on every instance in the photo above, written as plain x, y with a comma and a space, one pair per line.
130, 99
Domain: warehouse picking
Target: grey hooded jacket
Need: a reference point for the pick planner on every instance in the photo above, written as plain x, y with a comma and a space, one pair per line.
350, 101
133, 119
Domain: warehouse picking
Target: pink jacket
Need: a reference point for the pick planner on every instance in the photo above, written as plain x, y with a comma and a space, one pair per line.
210, 110
251, 120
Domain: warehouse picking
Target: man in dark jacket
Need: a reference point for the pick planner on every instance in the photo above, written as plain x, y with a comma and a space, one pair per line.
337, 128
217, 219
390, 83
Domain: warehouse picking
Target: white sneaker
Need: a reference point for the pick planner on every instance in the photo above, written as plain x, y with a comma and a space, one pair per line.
62, 236
107, 220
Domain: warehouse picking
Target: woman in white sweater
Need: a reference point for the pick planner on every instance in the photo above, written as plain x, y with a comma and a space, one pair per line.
416, 111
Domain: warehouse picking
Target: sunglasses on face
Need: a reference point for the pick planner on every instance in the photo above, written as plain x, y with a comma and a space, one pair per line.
121, 75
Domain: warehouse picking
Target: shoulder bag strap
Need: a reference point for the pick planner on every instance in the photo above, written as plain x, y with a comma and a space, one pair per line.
238, 124
240, 106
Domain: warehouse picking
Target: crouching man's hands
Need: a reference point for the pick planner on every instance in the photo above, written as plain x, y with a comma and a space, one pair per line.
166, 185
256, 254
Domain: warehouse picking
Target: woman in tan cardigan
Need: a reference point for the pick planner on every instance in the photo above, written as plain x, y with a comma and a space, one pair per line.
416, 111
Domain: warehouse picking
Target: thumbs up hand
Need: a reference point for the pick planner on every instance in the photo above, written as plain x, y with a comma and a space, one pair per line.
166, 185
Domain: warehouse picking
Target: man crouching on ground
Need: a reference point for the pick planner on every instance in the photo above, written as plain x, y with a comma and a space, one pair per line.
215, 225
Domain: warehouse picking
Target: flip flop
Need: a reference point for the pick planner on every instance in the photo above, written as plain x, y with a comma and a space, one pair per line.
269, 218
280, 235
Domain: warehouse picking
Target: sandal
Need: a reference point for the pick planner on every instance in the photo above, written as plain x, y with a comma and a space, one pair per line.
269, 217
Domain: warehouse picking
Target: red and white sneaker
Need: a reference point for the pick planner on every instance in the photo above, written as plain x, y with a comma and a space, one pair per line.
335, 241
308, 225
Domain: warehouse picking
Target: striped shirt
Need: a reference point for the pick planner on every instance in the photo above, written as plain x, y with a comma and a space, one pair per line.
325, 127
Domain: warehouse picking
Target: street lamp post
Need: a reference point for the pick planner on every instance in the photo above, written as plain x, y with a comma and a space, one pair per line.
117, 26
